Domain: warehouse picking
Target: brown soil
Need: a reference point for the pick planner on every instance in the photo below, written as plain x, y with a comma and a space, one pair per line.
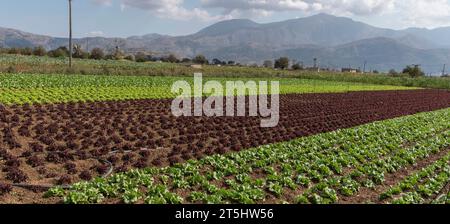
57, 143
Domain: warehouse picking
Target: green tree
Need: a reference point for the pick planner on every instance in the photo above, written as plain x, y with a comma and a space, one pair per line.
39, 51
173, 58
392, 72
200, 59
13, 50
268, 64
186, 60
97, 54
297, 66
26, 51
216, 61
57, 53
282, 63
78, 51
413, 71
141, 57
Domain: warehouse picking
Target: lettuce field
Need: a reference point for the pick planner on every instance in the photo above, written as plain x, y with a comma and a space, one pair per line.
86, 139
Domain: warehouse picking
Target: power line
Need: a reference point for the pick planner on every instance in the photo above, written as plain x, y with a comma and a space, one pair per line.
70, 33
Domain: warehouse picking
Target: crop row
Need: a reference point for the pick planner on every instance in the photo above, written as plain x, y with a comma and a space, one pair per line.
318, 169
27, 81
31, 89
42, 137
424, 186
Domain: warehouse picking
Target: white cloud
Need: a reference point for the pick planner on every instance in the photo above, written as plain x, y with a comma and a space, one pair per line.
424, 13
96, 34
406, 12
103, 2
353, 7
172, 9
427, 13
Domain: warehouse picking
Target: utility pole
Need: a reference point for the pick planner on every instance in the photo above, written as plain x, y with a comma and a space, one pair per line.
443, 70
70, 33
316, 65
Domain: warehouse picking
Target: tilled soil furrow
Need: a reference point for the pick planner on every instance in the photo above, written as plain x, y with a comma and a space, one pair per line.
59, 140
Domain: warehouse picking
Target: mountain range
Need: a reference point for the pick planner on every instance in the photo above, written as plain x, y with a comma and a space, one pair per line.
335, 41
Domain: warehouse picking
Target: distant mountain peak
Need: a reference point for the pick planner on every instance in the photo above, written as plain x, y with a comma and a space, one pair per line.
228, 26
326, 16
323, 15
336, 41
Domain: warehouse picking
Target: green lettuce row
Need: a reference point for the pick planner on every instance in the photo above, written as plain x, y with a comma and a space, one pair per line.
323, 167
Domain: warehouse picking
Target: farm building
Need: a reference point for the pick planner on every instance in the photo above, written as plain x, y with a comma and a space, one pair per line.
350, 70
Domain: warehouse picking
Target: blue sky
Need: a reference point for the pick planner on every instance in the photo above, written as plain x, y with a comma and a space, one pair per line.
121, 18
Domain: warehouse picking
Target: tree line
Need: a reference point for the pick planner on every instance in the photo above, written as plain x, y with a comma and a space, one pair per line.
117, 54
282, 63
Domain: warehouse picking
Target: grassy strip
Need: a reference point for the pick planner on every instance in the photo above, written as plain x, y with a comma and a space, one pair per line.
45, 65
314, 169
21, 89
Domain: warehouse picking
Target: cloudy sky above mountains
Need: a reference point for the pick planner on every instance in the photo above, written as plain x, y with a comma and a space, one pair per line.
178, 17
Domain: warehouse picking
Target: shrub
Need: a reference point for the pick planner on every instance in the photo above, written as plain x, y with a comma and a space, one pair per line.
78, 52
118, 54
85, 55
392, 72
186, 60
413, 71
141, 57
268, 64
26, 51
297, 66
200, 59
110, 57
172, 59
217, 62
39, 51
97, 54
130, 57
13, 51
282, 63
57, 53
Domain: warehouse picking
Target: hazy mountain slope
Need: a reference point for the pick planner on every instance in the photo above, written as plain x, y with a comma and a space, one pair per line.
335, 41
17, 38
379, 53
438, 36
